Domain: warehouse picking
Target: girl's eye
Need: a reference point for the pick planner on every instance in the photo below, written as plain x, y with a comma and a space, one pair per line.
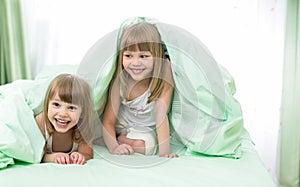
145, 54
72, 108
55, 104
127, 55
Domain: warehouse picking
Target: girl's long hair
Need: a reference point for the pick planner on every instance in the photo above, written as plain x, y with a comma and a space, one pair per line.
72, 89
144, 37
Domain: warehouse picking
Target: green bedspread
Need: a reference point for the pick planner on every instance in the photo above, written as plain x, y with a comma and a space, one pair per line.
114, 171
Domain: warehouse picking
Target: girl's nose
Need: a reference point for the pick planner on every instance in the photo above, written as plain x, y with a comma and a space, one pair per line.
136, 61
62, 111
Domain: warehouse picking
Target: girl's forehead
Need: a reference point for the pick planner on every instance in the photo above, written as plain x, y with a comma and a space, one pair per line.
136, 52
62, 95
55, 96
138, 47
132, 47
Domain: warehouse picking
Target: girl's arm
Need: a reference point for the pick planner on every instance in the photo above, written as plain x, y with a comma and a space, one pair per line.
86, 150
83, 154
109, 120
40, 122
161, 110
162, 122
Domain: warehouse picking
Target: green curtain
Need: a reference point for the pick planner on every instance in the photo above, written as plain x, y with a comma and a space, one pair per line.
13, 61
289, 146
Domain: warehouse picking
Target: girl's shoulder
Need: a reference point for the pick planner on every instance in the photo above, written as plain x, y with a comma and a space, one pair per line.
40, 122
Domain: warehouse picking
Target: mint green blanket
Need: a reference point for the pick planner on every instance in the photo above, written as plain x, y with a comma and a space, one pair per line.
20, 137
205, 117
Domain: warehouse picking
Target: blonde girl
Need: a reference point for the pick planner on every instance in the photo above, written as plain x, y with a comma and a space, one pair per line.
135, 117
67, 121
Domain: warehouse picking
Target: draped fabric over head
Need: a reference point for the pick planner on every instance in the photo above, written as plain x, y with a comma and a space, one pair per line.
204, 116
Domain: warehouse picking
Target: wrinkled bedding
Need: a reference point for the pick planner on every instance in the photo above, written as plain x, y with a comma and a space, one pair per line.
206, 125
137, 170
204, 116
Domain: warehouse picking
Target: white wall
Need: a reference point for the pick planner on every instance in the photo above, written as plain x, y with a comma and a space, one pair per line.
245, 36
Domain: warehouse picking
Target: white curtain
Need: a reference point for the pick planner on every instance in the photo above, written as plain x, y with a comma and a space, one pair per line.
41, 33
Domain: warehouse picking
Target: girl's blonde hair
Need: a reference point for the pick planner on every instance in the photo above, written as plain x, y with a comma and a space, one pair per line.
72, 89
144, 37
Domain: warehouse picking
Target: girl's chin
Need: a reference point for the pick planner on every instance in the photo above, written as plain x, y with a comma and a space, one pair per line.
62, 128
137, 78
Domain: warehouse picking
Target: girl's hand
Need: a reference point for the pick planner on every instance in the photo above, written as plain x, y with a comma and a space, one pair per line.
123, 149
171, 155
77, 158
62, 158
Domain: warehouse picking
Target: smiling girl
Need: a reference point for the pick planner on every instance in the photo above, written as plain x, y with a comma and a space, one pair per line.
67, 121
135, 118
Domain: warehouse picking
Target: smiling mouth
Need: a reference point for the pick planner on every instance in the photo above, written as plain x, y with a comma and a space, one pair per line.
62, 123
137, 71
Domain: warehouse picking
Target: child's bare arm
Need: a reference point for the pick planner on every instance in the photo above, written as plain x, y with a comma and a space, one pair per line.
161, 110
109, 120
40, 122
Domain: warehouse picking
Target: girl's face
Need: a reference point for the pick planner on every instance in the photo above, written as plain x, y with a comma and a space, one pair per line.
138, 64
63, 116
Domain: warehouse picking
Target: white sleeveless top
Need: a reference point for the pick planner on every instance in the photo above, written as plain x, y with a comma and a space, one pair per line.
136, 113
49, 143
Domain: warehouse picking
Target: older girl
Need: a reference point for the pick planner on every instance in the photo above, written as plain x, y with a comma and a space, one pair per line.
135, 117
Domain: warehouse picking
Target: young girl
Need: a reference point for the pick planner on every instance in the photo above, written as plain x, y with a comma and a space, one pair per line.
139, 96
67, 121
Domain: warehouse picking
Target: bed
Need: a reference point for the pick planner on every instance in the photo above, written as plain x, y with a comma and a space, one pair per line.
206, 126
137, 170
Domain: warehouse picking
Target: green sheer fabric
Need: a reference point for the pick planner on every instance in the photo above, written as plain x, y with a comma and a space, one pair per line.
204, 115
290, 114
13, 62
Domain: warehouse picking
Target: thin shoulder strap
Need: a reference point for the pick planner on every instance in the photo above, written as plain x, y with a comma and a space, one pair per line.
48, 141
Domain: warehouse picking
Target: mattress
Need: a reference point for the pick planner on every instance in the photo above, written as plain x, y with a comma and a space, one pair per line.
106, 169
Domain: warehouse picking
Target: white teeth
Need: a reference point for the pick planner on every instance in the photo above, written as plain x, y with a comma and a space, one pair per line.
136, 71
61, 121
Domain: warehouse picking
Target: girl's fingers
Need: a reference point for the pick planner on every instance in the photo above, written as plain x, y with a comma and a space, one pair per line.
74, 158
124, 149
171, 155
130, 150
63, 159
77, 158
